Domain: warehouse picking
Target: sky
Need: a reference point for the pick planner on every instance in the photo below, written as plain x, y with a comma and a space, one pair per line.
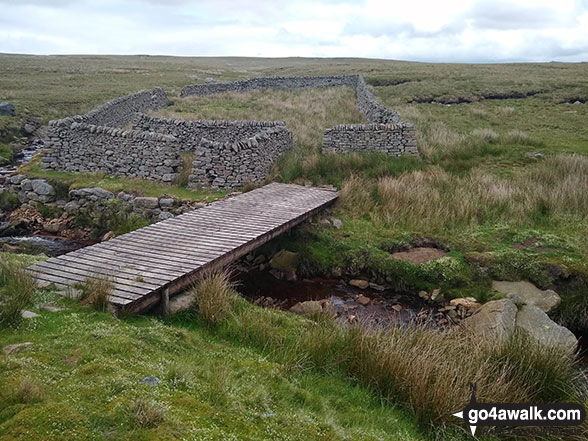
417, 30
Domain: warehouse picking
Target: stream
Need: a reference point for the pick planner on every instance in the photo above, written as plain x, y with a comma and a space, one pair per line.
51, 246
22, 157
349, 304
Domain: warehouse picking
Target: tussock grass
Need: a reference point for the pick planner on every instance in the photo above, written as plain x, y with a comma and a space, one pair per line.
16, 292
431, 371
426, 370
478, 111
214, 295
506, 110
486, 134
434, 199
96, 291
148, 413
517, 136
30, 391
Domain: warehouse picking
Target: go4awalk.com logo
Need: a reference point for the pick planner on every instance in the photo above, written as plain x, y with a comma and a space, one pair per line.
519, 415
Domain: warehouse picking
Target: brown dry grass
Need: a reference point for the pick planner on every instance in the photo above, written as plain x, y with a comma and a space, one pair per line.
214, 295
432, 370
96, 292
436, 200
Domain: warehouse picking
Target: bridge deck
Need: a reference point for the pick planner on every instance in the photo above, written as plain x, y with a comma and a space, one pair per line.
161, 259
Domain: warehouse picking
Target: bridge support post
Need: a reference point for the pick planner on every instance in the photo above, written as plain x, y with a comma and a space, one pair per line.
165, 302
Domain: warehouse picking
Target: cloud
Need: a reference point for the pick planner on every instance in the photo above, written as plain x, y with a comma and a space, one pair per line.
421, 30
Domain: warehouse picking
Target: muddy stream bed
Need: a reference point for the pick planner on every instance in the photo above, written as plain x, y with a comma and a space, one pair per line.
377, 309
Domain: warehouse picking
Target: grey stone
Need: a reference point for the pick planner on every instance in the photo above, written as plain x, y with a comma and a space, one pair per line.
546, 300
181, 302
29, 127
337, 223
16, 347
149, 203
42, 188
150, 381
495, 319
537, 324
72, 207
28, 314
166, 203
26, 185
92, 194
7, 109
17, 179
164, 215
49, 307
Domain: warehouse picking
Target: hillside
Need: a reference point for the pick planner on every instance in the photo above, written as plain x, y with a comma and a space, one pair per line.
500, 190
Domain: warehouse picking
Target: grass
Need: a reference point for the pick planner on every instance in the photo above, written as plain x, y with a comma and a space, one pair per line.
16, 292
426, 370
87, 365
214, 295
481, 188
95, 292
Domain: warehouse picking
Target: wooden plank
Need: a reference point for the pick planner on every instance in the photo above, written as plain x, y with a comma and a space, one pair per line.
68, 283
68, 274
161, 275
131, 259
135, 279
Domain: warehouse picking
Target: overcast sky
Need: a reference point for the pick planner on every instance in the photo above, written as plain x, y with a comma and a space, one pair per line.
421, 30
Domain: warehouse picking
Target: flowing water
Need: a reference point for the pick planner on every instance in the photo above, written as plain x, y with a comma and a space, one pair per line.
50, 246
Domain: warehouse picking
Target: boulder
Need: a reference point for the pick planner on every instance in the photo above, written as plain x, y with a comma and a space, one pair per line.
71, 207
164, 215
358, 283
28, 314
14, 348
337, 223
91, 194
166, 203
30, 126
26, 185
546, 300
537, 324
150, 381
42, 188
308, 308
7, 109
469, 303
495, 319
107, 236
17, 179
146, 203
286, 261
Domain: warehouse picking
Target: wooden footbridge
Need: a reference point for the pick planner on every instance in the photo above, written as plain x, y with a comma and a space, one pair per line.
157, 261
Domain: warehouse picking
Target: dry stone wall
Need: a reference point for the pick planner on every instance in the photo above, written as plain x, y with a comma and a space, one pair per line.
393, 139
189, 133
79, 147
231, 164
373, 111
227, 153
283, 83
124, 110
396, 138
